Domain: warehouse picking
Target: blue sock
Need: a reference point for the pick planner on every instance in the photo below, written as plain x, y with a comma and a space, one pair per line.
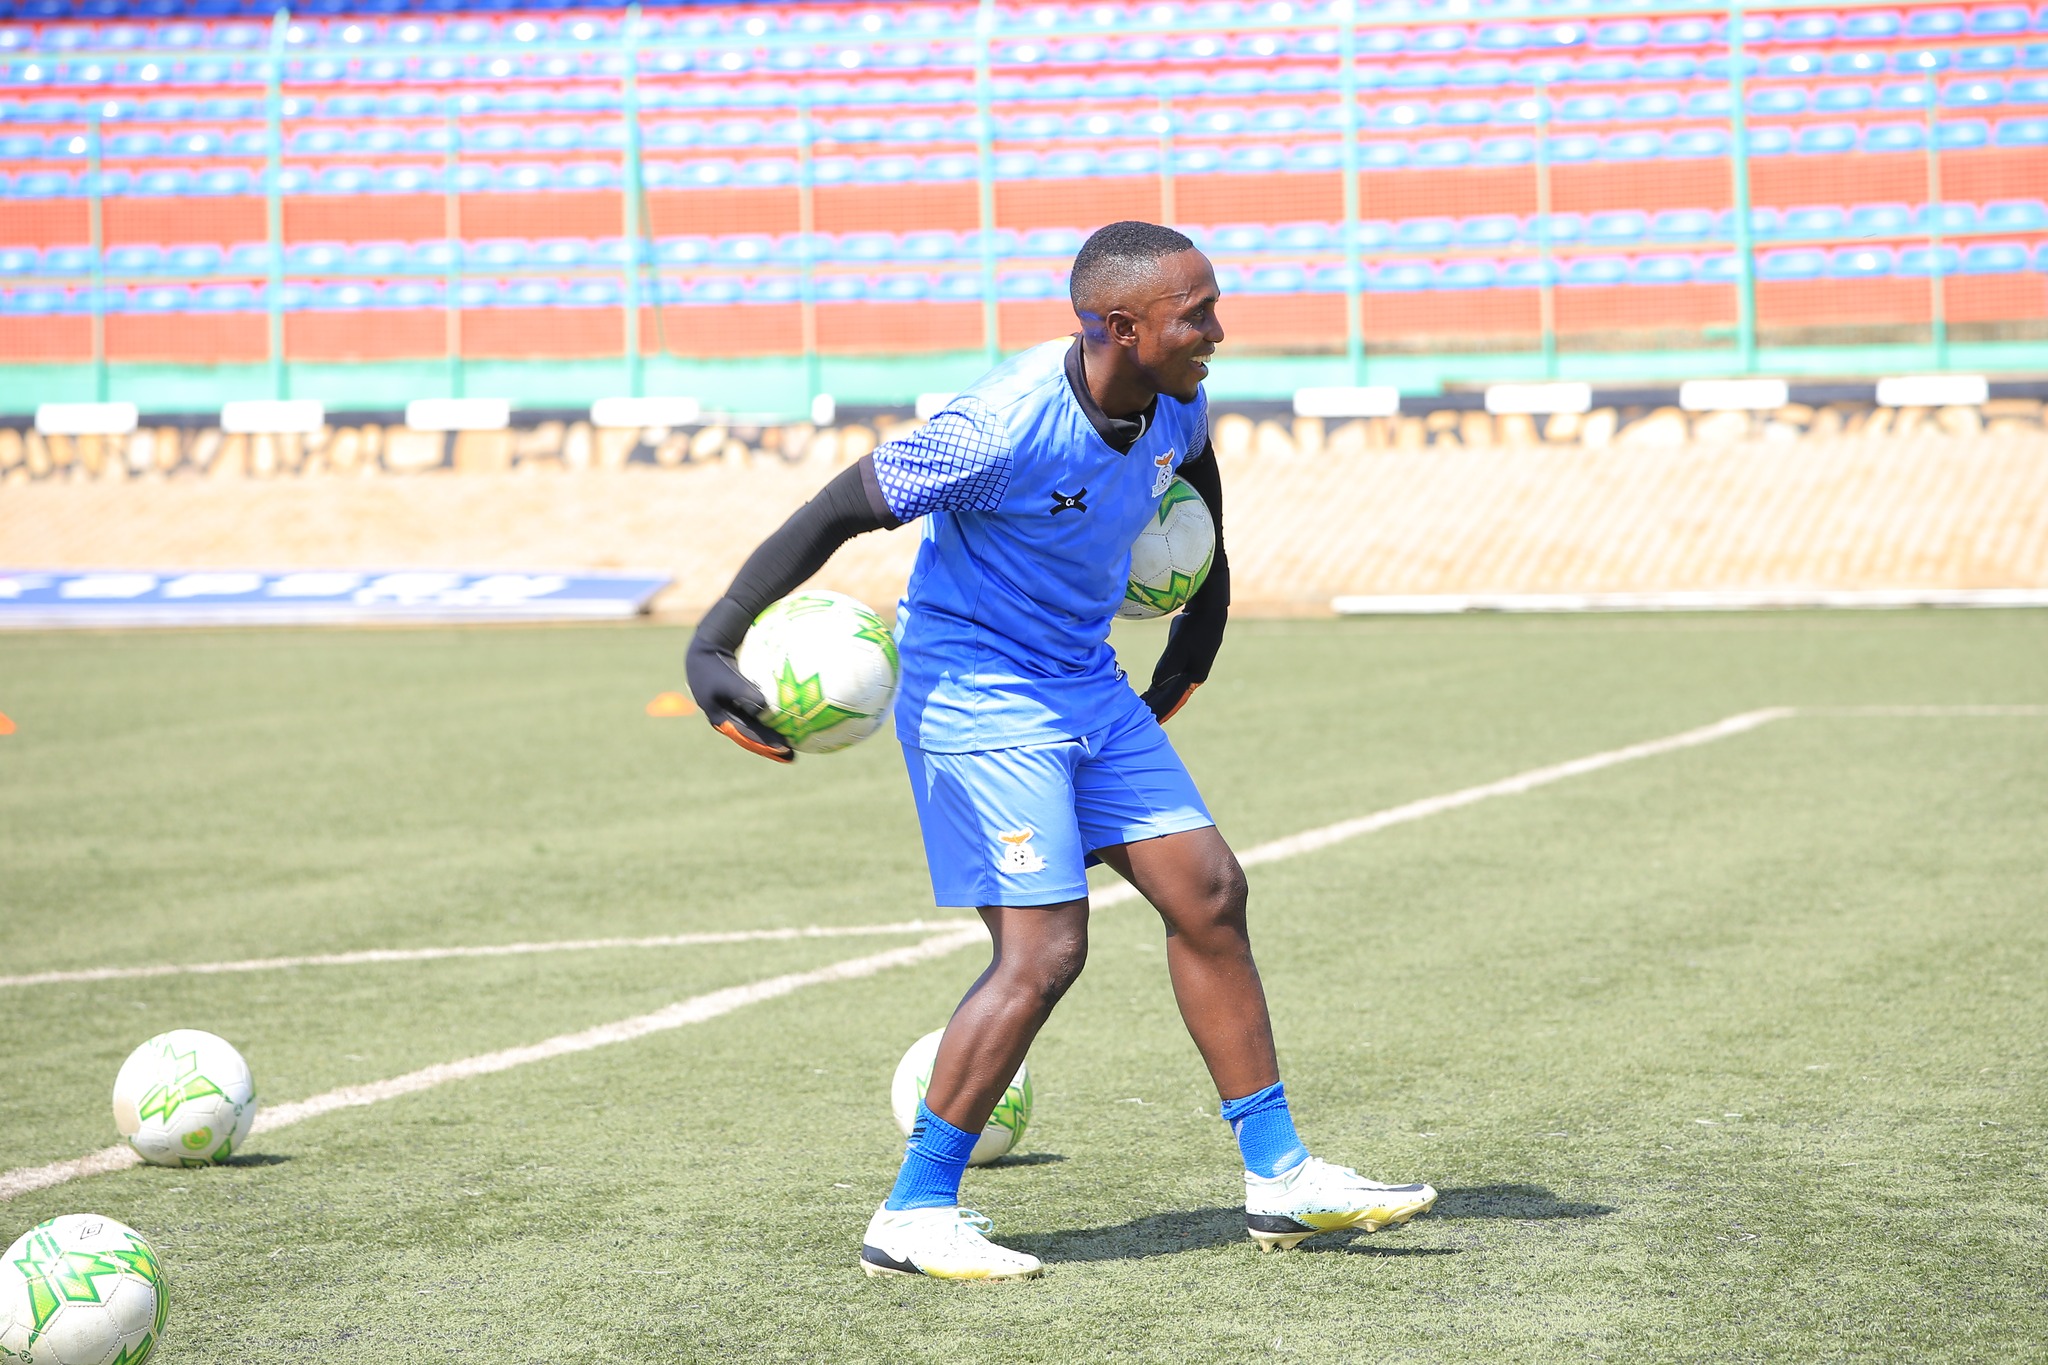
1265, 1131
933, 1161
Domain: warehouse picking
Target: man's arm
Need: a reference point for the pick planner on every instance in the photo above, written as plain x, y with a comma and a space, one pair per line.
1197, 633
852, 503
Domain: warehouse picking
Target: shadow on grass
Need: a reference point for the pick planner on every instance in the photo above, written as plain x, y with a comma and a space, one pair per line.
1163, 1234
1023, 1159
257, 1159
1523, 1202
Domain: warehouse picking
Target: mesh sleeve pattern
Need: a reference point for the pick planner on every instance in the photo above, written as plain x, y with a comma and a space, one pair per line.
959, 461
1199, 440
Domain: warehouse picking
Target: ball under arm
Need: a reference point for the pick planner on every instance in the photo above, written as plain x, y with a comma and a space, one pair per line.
1196, 635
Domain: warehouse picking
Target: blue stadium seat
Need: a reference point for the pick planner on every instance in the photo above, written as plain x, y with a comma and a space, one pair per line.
1276, 279
1633, 147
1442, 152
1973, 95
1936, 23
19, 260
1302, 237
136, 259
1661, 104
1981, 59
1709, 104
1777, 100
1995, 258
1880, 220
344, 297
1763, 223
1676, 70
1807, 28
1424, 234
529, 294
2041, 258
160, 298
1826, 139
1402, 277
67, 260
1875, 24
1842, 99
1505, 151
316, 258
1573, 147
1960, 134
1031, 285
1596, 270
2023, 132
1894, 137
1661, 270
851, 288
1126, 161
1860, 263
1235, 237
747, 248
345, 180
524, 177
1922, 260
680, 251
867, 247
1718, 269
1799, 263
165, 183
1946, 218
1624, 227
561, 253
591, 293
1564, 228
477, 294
1812, 220
1588, 109
192, 260
1528, 274
2015, 215
1902, 96
1467, 275
957, 286
1999, 20
2033, 90
1794, 64
1683, 225
226, 298
1696, 142
1492, 229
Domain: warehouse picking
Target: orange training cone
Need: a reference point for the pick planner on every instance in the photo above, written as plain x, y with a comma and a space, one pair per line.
6, 725
671, 704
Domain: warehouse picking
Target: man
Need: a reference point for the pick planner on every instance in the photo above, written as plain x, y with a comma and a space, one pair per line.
1029, 754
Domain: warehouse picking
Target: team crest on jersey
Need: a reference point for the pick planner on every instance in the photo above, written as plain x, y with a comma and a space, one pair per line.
1018, 855
1164, 478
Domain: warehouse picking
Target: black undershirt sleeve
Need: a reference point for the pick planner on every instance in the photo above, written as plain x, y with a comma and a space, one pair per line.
1196, 635
850, 505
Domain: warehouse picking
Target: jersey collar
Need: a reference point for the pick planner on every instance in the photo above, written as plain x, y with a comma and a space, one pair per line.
1118, 433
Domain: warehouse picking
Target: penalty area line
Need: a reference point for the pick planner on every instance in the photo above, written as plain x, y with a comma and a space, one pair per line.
695, 1010
579, 945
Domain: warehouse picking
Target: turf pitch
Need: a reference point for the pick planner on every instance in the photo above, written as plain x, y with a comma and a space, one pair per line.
1735, 1053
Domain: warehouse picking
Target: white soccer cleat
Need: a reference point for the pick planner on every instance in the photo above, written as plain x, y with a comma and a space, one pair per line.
1283, 1211
944, 1243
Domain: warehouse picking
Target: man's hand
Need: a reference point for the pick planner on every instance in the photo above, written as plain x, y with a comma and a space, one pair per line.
731, 703
1168, 695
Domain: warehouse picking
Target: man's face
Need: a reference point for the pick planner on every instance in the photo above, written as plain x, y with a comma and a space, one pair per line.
1174, 332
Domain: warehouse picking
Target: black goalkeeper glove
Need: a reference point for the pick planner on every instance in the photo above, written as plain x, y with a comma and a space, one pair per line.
731, 703
1191, 645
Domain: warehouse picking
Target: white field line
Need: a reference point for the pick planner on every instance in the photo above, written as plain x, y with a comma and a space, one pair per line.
578, 945
1308, 841
710, 1006
695, 1010
1981, 712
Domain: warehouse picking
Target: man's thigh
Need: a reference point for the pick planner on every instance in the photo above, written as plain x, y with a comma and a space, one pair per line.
999, 826
1132, 786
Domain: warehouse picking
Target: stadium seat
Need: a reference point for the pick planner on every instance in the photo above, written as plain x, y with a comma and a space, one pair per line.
1402, 277
1860, 263
1234, 237
1467, 275
1506, 151
1995, 258
226, 298
1596, 270
2023, 132
1880, 220
2015, 215
1661, 270
1529, 274
1794, 264
867, 247
1624, 227
1812, 220
1827, 139
1682, 225
137, 259
1921, 260
1945, 218
1487, 230
1842, 99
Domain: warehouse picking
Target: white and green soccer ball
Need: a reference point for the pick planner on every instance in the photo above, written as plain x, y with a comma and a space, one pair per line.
828, 667
81, 1289
1170, 559
1005, 1128
185, 1098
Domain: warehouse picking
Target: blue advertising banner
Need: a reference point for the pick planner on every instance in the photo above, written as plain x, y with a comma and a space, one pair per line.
189, 597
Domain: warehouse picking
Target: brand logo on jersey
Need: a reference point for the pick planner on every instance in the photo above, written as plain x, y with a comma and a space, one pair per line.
1069, 502
1018, 855
1165, 477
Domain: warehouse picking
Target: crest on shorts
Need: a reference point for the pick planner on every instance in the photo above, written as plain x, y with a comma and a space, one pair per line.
1018, 855
1165, 477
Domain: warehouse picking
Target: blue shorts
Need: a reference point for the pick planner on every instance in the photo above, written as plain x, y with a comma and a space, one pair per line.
1016, 826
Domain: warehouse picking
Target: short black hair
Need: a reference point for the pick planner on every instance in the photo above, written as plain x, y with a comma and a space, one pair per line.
1115, 253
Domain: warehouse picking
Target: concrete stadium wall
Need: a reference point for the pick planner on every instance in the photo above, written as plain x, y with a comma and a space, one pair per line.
1450, 503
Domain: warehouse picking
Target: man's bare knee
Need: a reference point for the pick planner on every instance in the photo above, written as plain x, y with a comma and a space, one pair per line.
1047, 971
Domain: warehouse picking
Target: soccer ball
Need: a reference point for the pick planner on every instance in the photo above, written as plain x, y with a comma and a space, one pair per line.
1005, 1126
1170, 559
81, 1290
828, 667
184, 1098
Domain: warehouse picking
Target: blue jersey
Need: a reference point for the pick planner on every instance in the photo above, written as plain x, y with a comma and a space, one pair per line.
1029, 517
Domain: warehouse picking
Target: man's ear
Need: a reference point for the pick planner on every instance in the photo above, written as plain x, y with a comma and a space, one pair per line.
1122, 327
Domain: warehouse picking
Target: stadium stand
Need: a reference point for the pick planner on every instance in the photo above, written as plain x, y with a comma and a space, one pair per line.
814, 178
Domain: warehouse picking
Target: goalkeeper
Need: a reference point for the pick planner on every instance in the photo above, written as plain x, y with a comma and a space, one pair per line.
1029, 753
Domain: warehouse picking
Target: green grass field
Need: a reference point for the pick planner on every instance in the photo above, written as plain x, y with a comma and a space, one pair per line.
1736, 1053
